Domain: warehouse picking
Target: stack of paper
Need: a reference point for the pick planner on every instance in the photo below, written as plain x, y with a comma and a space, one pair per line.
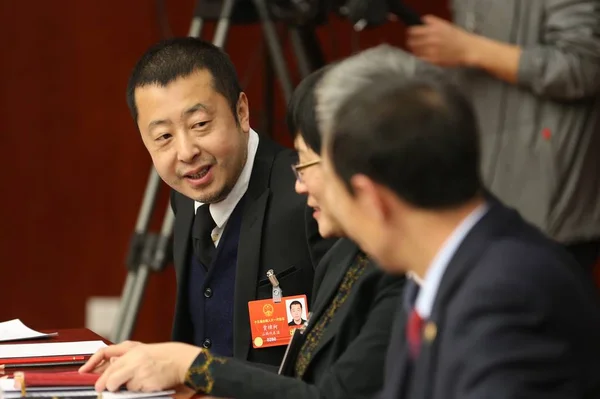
50, 349
10, 392
47, 354
15, 330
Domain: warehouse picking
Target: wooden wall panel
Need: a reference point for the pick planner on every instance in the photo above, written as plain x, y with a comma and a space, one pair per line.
73, 166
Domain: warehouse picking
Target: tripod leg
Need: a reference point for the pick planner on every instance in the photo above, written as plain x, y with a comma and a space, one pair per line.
223, 26
307, 49
275, 49
137, 245
137, 293
162, 251
124, 304
303, 64
196, 25
155, 258
268, 96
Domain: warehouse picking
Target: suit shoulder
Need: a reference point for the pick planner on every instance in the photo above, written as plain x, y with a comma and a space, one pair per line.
519, 257
282, 178
532, 270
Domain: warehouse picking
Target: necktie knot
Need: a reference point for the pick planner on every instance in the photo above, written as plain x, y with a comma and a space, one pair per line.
202, 235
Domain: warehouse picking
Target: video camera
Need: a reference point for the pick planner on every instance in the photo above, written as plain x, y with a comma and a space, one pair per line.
362, 13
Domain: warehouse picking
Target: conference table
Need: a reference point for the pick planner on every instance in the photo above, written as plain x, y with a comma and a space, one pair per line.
81, 334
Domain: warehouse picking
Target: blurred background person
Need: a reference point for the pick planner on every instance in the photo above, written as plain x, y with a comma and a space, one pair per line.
532, 70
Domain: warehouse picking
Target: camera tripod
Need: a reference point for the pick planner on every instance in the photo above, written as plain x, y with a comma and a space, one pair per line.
151, 251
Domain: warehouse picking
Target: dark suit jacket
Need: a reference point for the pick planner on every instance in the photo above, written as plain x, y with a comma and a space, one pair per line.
277, 232
348, 361
514, 318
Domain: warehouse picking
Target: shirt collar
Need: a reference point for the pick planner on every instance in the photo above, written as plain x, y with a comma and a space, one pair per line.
431, 283
221, 211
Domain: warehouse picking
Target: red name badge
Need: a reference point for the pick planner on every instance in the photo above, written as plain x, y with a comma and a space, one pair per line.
273, 324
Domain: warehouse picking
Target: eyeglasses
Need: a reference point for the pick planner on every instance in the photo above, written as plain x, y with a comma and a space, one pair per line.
298, 168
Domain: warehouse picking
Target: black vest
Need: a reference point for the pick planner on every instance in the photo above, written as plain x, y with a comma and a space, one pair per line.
211, 291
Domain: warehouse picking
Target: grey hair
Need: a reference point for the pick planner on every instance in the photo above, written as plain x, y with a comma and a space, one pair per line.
354, 74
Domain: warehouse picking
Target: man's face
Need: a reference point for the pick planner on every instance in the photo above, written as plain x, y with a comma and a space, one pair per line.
192, 136
296, 311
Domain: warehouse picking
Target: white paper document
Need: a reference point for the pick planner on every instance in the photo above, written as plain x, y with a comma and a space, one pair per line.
91, 394
7, 385
50, 349
14, 330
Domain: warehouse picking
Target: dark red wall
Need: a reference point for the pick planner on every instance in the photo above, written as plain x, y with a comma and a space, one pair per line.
73, 167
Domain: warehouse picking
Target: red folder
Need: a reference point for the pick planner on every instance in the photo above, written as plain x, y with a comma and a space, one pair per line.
40, 361
61, 379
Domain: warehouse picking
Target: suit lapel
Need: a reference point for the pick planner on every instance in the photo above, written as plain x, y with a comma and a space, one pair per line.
249, 246
470, 250
493, 223
396, 378
344, 257
343, 254
183, 225
334, 326
182, 328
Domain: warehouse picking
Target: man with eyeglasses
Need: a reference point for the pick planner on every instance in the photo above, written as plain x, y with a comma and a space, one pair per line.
237, 216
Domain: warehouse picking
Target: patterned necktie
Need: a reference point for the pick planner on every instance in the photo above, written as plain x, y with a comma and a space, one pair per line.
204, 248
413, 333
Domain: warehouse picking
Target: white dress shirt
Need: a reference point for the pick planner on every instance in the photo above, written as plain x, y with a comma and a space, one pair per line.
431, 283
221, 211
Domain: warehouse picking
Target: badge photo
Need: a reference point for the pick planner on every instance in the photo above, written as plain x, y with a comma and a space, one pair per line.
273, 323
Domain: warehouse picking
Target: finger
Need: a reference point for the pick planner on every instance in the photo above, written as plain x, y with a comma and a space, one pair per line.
113, 367
423, 48
425, 53
417, 43
104, 354
418, 31
432, 20
134, 384
94, 361
130, 344
99, 369
121, 377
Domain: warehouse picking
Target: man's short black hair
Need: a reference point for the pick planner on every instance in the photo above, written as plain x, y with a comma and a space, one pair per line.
179, 57
301, 117
419, 138
295, 303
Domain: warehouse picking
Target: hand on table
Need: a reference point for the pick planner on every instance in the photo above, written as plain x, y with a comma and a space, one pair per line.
103, 357
440, 42
141, 367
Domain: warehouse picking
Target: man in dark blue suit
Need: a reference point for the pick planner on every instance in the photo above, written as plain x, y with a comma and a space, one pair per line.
500, 311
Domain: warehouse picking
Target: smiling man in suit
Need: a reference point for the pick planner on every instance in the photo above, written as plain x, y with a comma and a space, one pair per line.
236, 213
501, 311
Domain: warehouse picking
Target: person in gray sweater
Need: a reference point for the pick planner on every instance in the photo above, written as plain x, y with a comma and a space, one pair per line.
532, 71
